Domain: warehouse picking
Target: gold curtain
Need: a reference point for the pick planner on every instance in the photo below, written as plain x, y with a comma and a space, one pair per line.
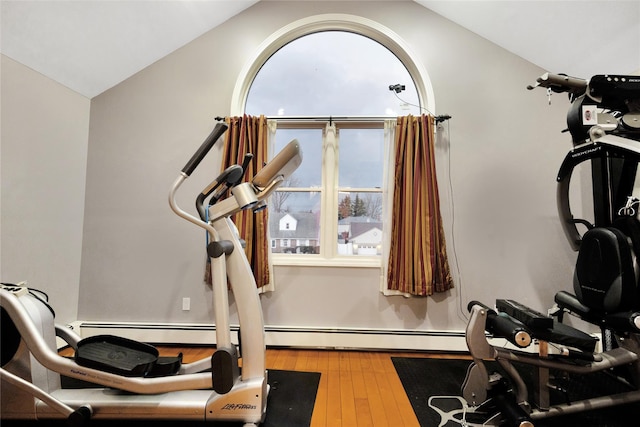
249, 134
418, 262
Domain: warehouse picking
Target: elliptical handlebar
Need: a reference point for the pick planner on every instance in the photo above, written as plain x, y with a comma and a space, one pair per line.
206, 146
188, 169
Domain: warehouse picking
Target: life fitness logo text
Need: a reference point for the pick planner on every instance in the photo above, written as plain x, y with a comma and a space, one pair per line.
238, 407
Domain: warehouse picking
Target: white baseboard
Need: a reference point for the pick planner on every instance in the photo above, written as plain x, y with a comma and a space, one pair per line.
279, 336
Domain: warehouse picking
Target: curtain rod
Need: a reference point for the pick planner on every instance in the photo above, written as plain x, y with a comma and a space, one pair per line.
331, 119
439, 119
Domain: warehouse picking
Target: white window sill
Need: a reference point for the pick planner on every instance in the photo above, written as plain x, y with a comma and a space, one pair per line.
318, 261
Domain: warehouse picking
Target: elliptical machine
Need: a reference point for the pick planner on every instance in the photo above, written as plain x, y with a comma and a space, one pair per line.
133, 382
604, 122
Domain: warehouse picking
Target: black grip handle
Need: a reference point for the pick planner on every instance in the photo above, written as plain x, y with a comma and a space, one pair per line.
230, 175
504, 326
561, 83
195, 160
245, 165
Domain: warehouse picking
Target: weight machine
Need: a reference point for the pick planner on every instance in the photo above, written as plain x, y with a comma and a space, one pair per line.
604, 123
132, 381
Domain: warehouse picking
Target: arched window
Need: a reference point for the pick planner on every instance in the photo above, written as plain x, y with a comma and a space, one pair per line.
333, 74
335, 83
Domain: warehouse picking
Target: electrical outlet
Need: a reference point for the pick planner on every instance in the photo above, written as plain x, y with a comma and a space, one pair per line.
186, 304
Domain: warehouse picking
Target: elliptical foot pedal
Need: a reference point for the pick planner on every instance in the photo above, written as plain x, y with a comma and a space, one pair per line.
116, 355
166, 366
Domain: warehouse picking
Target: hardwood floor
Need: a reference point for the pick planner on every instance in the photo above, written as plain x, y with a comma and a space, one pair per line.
357, 388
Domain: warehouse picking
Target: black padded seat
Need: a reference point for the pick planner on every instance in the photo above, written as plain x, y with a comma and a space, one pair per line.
568, 336
605, 279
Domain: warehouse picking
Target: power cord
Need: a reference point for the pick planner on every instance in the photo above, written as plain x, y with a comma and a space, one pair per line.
397, 88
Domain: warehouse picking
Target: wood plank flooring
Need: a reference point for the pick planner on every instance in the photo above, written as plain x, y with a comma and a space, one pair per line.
357, 388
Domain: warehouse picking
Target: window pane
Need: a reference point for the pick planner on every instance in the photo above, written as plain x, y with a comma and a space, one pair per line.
361, 158
332, 73
309, 173
360, 224
294, 222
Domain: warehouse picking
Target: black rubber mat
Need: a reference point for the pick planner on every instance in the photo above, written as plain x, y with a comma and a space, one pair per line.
434, 389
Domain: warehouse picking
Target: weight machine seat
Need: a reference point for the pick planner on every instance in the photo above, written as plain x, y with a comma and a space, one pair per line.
514, 318
623, 321
566, 335
605, 282
125, 357
604, 278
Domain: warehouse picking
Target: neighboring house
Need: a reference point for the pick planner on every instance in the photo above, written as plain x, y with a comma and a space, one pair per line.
294, 232
359, 235
298, 233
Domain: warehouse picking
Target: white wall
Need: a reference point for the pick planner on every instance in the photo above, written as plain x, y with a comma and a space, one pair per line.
45, 129
139, 260
497, 161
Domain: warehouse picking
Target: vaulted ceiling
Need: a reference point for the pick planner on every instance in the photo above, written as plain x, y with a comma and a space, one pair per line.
92, 45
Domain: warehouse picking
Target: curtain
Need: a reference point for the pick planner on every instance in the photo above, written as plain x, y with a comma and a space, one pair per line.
417, 257
249, 134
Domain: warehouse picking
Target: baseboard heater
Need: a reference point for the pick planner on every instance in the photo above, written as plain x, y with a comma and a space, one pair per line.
279, 336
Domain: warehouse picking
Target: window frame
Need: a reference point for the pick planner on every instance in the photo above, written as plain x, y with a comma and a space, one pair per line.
332, 22
329, 190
